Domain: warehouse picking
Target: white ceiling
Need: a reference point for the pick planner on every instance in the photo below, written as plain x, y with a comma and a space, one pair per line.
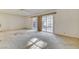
27, 12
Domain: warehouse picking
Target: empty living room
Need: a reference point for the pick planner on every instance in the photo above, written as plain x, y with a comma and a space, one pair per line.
39, 28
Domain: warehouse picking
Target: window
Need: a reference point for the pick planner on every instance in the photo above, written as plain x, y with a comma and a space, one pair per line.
35, 23
47, 23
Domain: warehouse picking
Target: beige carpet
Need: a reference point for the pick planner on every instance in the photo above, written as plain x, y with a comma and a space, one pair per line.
18, 39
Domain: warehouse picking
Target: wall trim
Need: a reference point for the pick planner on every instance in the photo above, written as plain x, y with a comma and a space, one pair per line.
68, 35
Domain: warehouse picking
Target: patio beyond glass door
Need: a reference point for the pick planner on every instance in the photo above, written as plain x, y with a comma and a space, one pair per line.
47, 23
35, 23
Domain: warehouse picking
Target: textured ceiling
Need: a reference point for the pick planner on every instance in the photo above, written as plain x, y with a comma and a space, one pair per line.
27, 12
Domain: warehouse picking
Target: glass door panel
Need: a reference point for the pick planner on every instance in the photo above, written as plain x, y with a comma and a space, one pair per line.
44, 23
35, 23
47, 23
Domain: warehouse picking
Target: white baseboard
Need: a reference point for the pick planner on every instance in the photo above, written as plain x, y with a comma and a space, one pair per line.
69, 35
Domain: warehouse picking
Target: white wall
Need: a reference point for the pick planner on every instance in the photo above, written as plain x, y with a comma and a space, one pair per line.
28, 22
11, 22
67, 22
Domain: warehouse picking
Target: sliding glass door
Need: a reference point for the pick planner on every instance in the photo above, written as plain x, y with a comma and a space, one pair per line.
47, 23
35, 23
